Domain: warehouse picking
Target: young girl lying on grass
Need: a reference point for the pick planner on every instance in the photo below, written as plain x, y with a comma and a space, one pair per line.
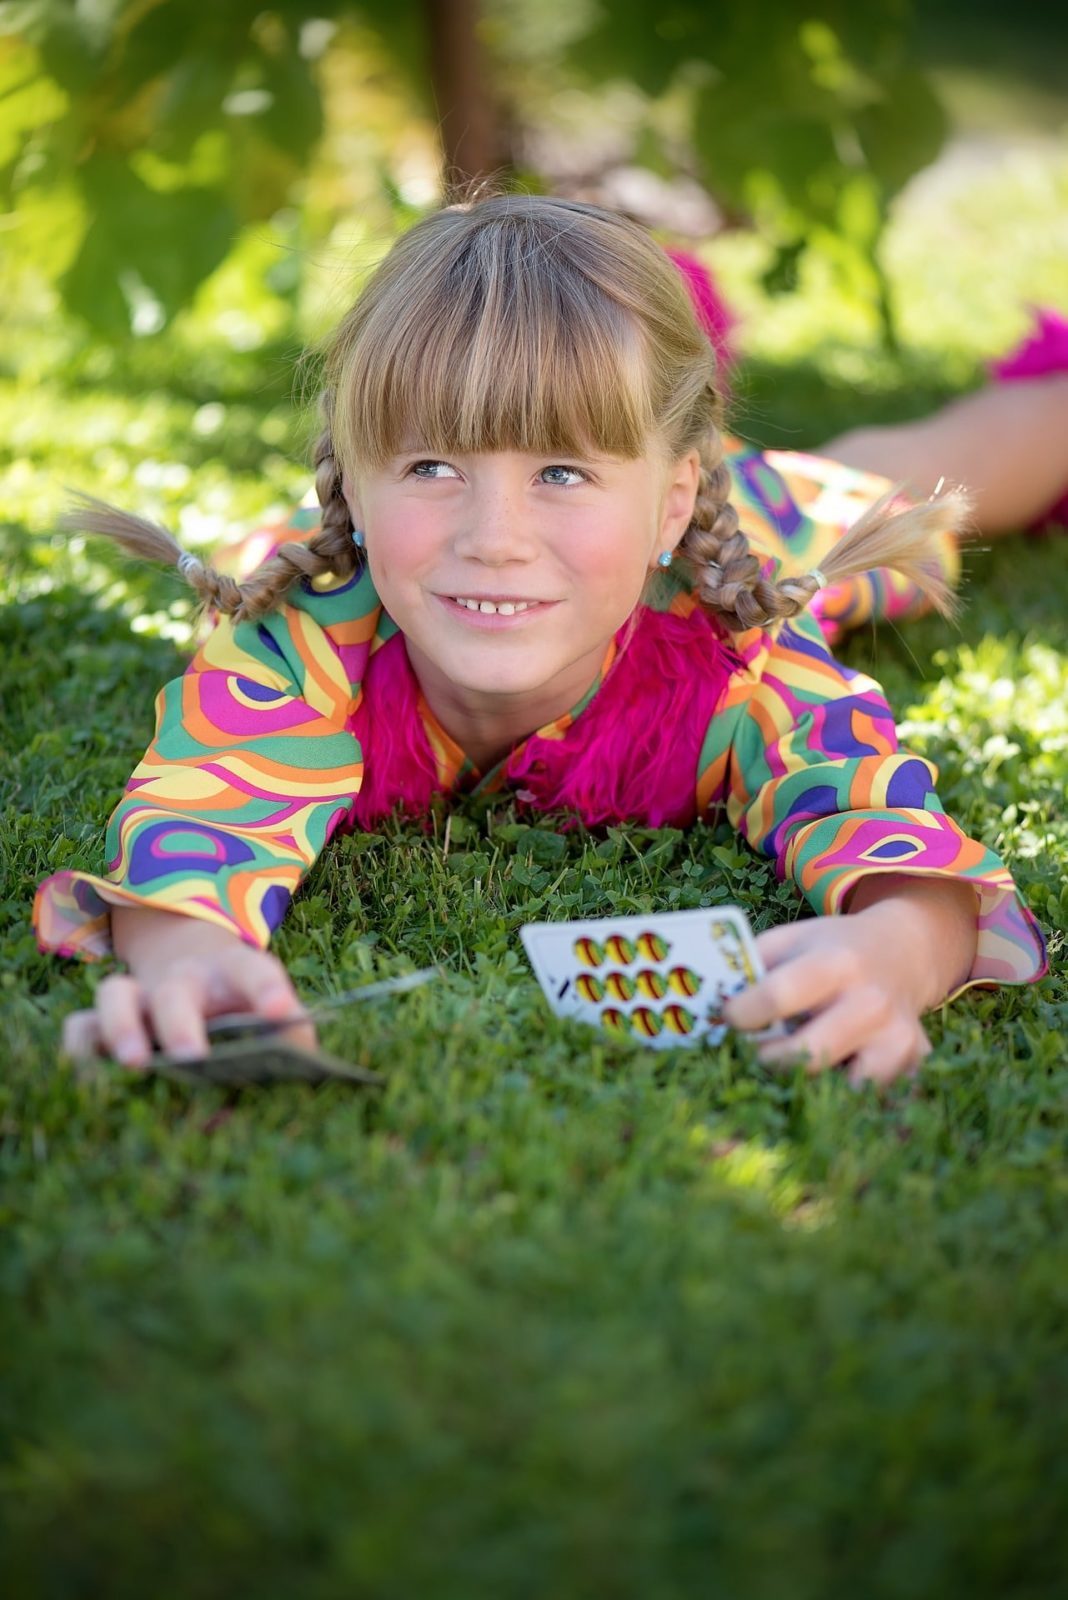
539, 569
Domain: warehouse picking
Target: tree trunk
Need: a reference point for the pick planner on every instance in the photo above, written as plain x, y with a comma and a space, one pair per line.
469, 122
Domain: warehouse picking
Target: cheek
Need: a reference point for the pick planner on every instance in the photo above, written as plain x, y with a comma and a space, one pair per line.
610, 561
402, 548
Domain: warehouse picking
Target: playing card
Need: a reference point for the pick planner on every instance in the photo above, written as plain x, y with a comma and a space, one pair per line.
660, 978
261, 1061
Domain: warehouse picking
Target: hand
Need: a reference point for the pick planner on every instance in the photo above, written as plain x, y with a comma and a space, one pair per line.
860, 982
185, 971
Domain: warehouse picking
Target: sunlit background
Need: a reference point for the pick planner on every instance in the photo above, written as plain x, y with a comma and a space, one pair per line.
193, 194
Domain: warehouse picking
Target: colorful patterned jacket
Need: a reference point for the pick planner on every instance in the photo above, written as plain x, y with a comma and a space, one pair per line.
282, 732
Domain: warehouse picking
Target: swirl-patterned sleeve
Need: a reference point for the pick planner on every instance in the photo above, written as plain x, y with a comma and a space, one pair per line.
807, 761
794, 506
249, 773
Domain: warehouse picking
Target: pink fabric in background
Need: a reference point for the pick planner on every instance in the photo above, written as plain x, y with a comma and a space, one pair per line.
713, 312
1044, 351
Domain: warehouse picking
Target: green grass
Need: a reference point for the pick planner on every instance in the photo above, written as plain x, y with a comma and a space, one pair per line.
549, 1314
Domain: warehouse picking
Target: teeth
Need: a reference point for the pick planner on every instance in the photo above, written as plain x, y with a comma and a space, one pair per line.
507, 608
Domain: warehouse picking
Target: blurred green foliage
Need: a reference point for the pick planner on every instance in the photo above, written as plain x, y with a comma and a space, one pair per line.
805, 118
172, 126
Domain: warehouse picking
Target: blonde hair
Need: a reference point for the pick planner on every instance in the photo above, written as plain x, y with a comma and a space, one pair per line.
526, 322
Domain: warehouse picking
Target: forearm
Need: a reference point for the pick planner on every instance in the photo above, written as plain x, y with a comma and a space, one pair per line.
932, 928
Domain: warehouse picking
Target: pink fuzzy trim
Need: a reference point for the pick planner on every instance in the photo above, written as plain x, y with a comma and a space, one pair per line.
399, 769
631, 756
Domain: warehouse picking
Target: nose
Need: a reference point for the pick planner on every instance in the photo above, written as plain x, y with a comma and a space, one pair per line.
498, 526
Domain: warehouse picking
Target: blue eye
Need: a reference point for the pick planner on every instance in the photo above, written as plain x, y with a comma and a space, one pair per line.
415, 466
574, 471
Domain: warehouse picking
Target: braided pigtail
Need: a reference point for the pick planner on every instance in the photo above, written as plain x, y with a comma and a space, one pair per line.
150, 542
729, 579
331, 549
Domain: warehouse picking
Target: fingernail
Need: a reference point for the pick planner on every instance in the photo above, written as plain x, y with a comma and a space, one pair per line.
187, 1052
130, 1052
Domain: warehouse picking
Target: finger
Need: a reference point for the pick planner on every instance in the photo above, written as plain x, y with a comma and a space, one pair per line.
258, 983
301, 1035
177, 1006
265, 988
81, 1035
836, 1033
777, 944
120, 1007
895, 1053
804, 983
247, 980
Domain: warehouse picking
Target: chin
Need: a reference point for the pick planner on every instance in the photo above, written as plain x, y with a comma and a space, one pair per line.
499, 677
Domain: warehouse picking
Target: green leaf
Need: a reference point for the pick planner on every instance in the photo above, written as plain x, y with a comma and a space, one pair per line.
783, 275
171, 242
294, 119
191, 103
903, 130
91, 286
72, 41
735, 137
29, 102
158, 41
808, 114
642, 41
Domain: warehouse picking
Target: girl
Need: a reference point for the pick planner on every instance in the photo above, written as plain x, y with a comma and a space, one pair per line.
536, 570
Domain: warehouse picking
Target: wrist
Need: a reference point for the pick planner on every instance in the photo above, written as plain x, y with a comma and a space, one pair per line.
145, 937
931, 924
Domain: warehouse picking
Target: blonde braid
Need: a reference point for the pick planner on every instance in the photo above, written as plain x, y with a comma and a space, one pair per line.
331, 549
728, 579
151, 542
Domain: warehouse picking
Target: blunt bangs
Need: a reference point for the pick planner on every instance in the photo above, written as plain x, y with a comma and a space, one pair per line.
500, 341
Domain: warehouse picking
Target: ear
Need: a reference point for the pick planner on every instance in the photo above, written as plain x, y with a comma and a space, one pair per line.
352, 500
680, 496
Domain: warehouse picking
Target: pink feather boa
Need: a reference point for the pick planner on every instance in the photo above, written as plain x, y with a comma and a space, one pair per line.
631, 756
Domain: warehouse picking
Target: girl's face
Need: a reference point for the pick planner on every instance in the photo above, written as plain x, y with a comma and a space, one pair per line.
509, 573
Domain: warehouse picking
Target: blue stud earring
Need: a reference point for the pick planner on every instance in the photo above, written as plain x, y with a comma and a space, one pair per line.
664, 559
357, 538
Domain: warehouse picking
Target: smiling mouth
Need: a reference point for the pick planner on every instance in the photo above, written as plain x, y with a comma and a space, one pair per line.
494, 608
